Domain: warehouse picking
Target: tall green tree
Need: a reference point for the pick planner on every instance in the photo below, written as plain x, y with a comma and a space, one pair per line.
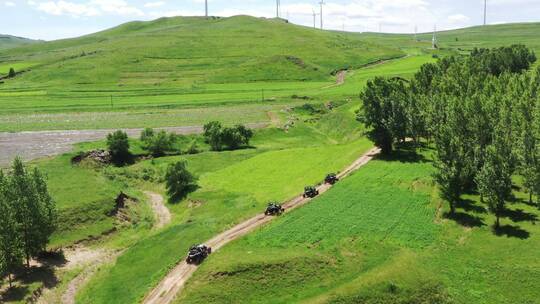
384, 111
529, 144
495, 178
27, 210
47, 208
11, 253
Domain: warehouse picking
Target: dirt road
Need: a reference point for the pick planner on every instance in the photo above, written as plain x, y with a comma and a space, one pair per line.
161, 212
87, 259
33, 145
173, 283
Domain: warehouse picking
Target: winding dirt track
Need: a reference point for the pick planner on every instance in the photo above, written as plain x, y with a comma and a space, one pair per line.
172, 284
161, 212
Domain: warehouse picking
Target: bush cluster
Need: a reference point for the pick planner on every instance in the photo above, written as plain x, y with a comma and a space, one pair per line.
219, 137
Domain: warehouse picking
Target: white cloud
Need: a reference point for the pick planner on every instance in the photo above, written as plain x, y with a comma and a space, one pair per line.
154, 4
458, 18
59, 8
89, 9
9, 4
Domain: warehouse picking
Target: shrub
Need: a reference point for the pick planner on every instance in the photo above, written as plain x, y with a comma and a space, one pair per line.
233, 138
11, 73
118, 145
212, 135
179, 181
147, 134
161, 143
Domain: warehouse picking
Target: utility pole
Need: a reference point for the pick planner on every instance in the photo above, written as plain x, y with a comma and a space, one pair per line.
416, 33
485, 12
321, 4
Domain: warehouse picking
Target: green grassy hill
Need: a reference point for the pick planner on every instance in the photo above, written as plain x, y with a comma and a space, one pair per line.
183, 52
467, 38
7, 41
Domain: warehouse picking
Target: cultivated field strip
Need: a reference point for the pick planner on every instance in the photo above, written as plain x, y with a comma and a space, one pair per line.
166, 291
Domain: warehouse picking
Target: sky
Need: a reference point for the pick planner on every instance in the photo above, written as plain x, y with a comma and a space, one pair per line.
56, 19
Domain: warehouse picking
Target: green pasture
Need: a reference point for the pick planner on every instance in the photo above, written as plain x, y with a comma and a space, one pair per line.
233, 187
378, 236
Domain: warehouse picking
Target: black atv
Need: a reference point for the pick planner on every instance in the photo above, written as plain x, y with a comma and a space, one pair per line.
310, 192
197, 254
274, 209
331, 179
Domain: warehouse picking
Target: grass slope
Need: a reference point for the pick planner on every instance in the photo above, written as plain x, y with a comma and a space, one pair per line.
173, 60
378, 237
7, 41
234, 186
468, 38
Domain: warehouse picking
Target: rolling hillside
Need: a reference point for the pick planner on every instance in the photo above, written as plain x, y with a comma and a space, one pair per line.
186, 51
7, 41
467, 38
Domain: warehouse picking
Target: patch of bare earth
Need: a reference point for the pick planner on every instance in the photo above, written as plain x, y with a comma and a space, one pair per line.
161, 212
86, 259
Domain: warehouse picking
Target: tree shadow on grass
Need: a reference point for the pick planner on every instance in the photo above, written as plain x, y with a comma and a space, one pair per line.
511, 231
14, 294
175, 198
519, 215
470, 206
404, 156
25, 277
44, 274
465, 219
516, 200
52, 258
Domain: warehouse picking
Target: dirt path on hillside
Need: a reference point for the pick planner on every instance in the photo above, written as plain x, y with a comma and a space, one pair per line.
166, 291
89, 260
161, 212
340, 78
38, 144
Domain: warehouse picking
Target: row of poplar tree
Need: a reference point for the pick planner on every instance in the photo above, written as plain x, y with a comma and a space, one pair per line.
481, 112
27, 217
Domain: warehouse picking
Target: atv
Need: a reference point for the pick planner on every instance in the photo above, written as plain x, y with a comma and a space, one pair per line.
310, 192
274, 209
331, 179
197, 254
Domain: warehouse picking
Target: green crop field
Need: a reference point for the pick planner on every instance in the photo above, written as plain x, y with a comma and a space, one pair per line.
376, 236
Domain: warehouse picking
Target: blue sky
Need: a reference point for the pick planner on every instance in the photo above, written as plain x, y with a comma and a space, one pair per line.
54, 19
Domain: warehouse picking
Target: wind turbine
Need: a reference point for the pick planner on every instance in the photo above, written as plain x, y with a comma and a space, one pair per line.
434, 39
278, 5
206, 8
321, 4
314, 18
485, 12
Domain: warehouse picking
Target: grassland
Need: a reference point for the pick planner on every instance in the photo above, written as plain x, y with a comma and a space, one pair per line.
233, 186
7, 41
379, 236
